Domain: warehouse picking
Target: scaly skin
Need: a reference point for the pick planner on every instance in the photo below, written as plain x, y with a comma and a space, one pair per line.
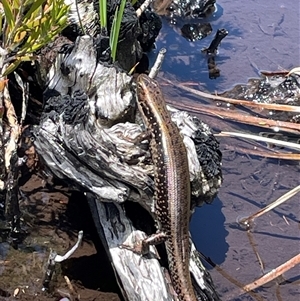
172, 183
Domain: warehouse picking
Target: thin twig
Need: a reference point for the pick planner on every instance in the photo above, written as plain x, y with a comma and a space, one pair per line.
246, 103
273, 274
234, 116
55, 258
231, 279
70, 285
143, 7
59, 258
246, 221
158, 62
290, 145
267, 154
79, 17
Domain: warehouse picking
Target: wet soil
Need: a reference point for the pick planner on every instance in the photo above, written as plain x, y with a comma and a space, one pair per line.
52, 220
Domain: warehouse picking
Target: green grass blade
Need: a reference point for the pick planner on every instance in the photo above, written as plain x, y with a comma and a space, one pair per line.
103, 13
112, 37
13, 66
37, 4
1, 19
9, 17
116, 30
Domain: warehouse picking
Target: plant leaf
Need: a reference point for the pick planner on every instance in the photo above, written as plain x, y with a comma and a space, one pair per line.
103, 13
9, 17
116, 29
36, 4
112, 37
13, 66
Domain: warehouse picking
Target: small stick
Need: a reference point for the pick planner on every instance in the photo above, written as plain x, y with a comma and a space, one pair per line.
54, 258
158, 62
59, 258
231, 279
213, 47
70, 285
267, 154
269, 106
246, 221
143, 7
290, 145
273, 274
276, 125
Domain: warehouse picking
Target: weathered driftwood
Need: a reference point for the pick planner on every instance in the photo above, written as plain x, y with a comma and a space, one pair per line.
10, 132
142, 277
83, 136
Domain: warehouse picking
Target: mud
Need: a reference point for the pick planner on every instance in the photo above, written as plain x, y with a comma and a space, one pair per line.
51, 219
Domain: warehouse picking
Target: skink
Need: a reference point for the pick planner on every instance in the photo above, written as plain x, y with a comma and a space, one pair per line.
172, 183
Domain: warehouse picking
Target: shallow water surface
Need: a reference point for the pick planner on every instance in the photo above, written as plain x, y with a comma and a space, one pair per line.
262, 36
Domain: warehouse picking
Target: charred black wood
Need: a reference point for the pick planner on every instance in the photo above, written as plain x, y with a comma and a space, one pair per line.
271, 88
184, 8
193, 32
150, 25
213, 70
137, 35
129, 50
49, 270
4, 293
215, 43
12, 209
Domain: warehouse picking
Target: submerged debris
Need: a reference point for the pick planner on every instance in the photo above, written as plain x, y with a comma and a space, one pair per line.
193, 32
184, 8
55, 258
271, 89
215, 43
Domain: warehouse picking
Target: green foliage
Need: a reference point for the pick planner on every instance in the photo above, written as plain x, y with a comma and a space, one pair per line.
115, 30
103, 14
28, 26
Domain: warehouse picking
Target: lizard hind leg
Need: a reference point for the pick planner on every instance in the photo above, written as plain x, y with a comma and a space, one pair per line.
142, 246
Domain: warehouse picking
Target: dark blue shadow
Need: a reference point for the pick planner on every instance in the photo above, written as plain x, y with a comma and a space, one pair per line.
208, 231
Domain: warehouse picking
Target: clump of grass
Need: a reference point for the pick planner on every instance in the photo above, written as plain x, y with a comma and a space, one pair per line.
103, 15
116, 25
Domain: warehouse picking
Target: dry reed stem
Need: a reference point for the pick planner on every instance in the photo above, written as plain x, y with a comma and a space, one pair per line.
273, 274
268, 106
158, 62
234, 116
287, 144
267, 154
246, 221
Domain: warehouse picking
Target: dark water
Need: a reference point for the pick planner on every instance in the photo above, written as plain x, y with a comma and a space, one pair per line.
263, 35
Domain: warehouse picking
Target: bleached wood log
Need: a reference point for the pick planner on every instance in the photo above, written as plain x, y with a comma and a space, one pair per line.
88, 134
142, 277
